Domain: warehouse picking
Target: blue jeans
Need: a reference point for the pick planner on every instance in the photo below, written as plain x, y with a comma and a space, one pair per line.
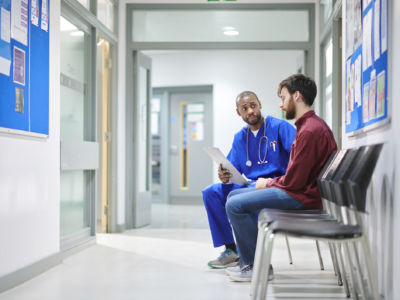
241, 206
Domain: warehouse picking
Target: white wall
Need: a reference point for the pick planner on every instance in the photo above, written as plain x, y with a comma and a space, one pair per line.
230, 72
383, 222
30, 181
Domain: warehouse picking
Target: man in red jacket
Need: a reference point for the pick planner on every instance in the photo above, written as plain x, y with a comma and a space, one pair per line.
297, 189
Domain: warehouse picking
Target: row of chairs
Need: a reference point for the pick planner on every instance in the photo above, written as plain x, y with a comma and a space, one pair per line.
343, 184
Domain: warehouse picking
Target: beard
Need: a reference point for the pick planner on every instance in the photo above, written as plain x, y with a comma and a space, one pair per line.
255, 121
290, 112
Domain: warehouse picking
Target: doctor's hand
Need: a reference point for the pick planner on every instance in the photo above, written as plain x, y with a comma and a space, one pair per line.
224, 174
261, 183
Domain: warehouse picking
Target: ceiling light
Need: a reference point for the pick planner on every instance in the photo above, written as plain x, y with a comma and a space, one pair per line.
231, 32
228, 28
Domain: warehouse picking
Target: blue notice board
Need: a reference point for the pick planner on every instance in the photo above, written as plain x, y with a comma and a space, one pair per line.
24, 66
366, 102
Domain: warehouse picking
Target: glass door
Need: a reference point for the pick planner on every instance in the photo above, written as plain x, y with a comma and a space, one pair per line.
78, 149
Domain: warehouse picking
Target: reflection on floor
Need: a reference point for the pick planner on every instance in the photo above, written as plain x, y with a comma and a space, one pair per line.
168, 260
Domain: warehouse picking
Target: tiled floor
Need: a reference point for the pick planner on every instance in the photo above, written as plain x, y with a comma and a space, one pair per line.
168, 260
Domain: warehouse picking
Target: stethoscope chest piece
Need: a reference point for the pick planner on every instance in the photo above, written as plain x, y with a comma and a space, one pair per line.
260, 160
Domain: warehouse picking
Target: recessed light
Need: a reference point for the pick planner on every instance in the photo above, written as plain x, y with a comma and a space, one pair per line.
231, 32
228, 28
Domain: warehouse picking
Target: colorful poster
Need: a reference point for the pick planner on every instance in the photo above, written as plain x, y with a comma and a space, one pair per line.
384, 26
372, 96
19, 21
35, 12
19, 66
365, 102
367, 41
380, 105
357, 23
45, 16
348, 87
357, 81
5, 47
349, 28
377, 28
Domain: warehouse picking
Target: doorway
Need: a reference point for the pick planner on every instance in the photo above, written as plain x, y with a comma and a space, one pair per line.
180, 131
104, 95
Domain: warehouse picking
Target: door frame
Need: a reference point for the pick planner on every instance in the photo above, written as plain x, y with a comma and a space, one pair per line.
131, 47
133, 218
165, 98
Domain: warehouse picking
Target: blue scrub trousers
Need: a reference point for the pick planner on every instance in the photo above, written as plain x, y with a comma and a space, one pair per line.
214, 198
241, 207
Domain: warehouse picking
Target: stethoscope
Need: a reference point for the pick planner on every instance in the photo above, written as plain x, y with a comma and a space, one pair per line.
260, 161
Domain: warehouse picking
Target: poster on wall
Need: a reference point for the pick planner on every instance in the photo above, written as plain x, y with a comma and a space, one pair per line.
366, 101
19, 65
19, 21
35, 12
5, 36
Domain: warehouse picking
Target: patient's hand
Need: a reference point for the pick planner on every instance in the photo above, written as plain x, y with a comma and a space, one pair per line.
224, 174
261, 183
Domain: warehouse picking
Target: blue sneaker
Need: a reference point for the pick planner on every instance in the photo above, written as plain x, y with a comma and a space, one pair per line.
228, 258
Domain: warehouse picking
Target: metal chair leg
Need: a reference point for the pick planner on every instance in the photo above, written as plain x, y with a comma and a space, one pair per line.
335, 263
358, 270
342, 269
259, 258
373, 281
351, 271
288, 249
261, 290
321, 263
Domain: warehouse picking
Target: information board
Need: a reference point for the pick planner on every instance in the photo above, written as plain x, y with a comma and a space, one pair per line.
366, 102
24, 66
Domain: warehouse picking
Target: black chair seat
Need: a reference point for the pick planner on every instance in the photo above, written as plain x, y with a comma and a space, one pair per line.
332, 230
273, 217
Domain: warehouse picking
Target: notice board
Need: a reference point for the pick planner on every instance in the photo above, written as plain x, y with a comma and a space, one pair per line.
24, 66
366, 101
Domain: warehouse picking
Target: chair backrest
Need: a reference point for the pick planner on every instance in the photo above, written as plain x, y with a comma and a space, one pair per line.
324, 171
325, 191
337, 183
360, 177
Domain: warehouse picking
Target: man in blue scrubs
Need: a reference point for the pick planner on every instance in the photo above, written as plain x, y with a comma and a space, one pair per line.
260, 149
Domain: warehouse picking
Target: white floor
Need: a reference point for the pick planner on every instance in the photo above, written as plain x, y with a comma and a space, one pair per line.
168, 260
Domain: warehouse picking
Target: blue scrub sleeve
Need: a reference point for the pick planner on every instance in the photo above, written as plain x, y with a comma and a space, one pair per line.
233, 157
286, 135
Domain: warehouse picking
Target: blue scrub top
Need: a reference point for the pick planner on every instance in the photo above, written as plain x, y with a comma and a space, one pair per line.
279, 133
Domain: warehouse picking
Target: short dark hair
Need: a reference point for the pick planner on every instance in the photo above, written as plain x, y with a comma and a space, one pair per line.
299, 82
246, 94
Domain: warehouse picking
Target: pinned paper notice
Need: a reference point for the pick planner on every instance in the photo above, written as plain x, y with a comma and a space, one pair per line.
380, 105
372, 96
19, 21
377, 36
19, 66
35, 12
5, 47
45, 16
